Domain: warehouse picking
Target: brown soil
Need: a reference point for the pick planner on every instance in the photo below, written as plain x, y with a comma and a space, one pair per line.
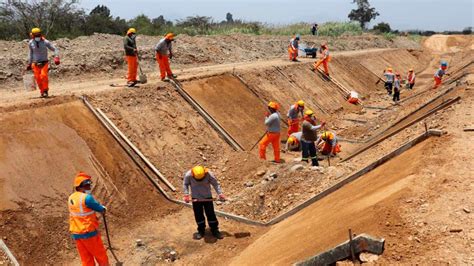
65, 138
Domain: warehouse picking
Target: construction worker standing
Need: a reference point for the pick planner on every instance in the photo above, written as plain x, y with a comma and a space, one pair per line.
396, 88
131, 55
83, 222
200, 180
309, 129
389, 79
163, 55
293, 48
272, 122
293, 116
328, 143
411, 79
325, 59
38, 59
438, 76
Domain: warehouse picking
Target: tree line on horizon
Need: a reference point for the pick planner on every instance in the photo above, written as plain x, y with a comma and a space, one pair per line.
64, 18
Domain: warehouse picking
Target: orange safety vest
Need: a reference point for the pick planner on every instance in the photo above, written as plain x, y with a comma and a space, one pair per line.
81, 218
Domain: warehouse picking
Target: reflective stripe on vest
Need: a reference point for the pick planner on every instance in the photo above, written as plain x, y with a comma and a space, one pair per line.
81, 218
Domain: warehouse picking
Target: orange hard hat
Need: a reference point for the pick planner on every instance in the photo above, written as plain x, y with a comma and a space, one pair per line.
80, 178
169, 36
273, 105
389, 69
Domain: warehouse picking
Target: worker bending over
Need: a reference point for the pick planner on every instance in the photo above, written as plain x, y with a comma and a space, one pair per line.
38, 59
200, 180
325, 59
272, 123
438, 76
163, 54
293, 143
131, 55
411, 79
293, 48
328, 143
309, 136
83, 222
294, 118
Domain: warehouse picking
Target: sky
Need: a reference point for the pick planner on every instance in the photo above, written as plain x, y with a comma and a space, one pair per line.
437, 15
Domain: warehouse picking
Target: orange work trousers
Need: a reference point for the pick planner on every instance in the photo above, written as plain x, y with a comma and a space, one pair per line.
164, 65
327, 149
41, 76
437, 81
274, 138
292, 53
325, 65
293, 126
132, 61
91, 248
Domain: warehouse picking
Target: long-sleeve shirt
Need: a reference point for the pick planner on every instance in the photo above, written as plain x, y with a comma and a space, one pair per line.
39, 51
411, 78
92, 203
440, 73
389, 77
163, 47
295, 145
331, 142
294, 43
325, 54
397, 84
130, 45
294, 111
200, 189
309, 131
272, 122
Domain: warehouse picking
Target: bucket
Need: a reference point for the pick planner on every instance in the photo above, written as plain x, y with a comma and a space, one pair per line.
29, 81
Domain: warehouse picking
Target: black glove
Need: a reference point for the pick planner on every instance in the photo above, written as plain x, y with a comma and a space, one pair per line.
28, 67
171, 56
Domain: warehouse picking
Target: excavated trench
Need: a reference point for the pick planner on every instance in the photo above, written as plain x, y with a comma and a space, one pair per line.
64, 137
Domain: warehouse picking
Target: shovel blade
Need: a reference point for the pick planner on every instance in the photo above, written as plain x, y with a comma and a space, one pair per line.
142, 78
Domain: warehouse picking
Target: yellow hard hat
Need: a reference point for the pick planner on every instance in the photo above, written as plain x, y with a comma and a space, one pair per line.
309, 112
199, 172
389, 69
273, 105
411, 70
300, 103
291, 140
131, 30
169, 36
35, 30
327, 135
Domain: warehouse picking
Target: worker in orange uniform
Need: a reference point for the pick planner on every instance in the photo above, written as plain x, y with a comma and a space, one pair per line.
325, 59
328, 143
293, 48
38, 59
83, 222
411, 79
294, 118
272, 122
200, 180
438, 76
163, 55
131, 55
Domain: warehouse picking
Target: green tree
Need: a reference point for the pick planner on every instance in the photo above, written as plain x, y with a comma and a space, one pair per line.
364, 13
229, 18
382, 27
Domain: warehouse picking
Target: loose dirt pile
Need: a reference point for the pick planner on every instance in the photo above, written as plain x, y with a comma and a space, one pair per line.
102, 54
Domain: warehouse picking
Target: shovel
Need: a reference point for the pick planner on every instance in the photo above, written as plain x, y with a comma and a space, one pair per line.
117, 262
141, 77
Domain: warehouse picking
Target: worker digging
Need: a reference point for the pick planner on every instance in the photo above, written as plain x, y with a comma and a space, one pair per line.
164, 53
293, 47
295, 115
38, 59
328, 144
438, 76
131, 56
83, 222
200, 180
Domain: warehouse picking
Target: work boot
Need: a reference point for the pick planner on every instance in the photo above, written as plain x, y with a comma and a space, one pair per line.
217, 234
198, 235
132, 84
173, 76
44, 94
165, 79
